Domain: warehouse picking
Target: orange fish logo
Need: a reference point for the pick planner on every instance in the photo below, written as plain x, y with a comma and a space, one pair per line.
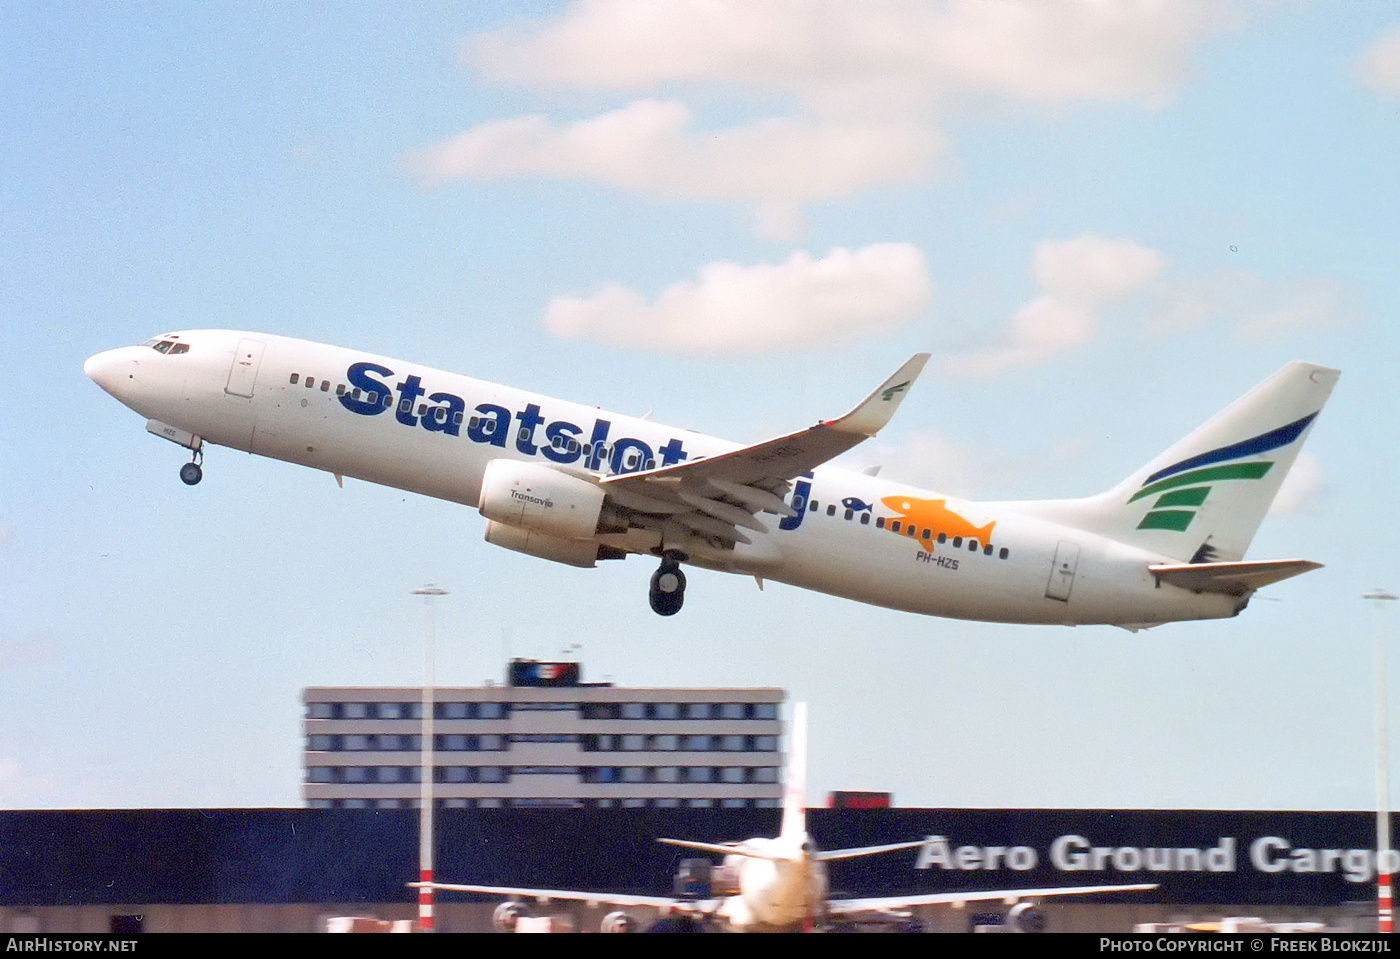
933, 515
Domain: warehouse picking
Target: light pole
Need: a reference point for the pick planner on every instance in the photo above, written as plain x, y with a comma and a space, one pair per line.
425, 772
1385, 920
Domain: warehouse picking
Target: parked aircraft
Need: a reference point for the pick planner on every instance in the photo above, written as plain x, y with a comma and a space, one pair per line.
770, 884
577, 485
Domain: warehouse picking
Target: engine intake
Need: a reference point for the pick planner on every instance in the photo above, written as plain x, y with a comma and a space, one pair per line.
618, 921
541, 500
506, 914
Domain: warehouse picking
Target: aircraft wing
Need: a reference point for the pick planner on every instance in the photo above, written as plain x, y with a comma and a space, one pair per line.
717, 495
695, 906
847, 907
832, 854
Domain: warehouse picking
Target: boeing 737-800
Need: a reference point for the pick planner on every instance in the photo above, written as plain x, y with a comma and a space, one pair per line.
770, 884
576, 485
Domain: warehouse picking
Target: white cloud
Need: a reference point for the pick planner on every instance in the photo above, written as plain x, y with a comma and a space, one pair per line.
652, 147
1253, 306
1079, 279
883, 50
928, 460
1302, 489
735, 309
1378, 67
868, 77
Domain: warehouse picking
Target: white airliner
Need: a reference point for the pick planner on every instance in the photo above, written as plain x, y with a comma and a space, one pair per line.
772, 885
575, 484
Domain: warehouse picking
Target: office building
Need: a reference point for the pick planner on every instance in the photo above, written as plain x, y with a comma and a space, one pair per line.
545, 738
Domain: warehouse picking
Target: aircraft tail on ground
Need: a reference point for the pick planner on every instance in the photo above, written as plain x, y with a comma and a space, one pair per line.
1203, 499
795, 777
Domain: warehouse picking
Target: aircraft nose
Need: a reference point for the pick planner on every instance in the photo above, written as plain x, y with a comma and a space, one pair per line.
111, 370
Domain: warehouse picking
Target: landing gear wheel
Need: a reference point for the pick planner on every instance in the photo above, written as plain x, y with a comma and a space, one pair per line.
191, 473
667, 587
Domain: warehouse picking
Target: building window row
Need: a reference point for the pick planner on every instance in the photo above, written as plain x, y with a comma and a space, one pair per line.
589, 774
764, 711
403, 742
406, 774
675, 742
342, 710
491, 802
459, 710
680, 774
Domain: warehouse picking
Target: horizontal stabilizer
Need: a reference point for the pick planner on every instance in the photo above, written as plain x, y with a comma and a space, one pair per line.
726, 849
1236, 579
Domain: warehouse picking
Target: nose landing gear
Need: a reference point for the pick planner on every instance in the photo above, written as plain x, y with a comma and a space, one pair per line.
668, 585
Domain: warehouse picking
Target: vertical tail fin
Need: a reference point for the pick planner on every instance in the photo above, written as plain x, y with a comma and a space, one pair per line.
1204, 498
795, 776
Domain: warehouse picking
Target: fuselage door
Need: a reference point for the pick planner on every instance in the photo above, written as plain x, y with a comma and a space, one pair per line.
244, 371
1062, 573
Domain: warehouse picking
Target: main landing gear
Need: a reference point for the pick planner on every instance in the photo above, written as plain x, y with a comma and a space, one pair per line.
191, 473
668, 585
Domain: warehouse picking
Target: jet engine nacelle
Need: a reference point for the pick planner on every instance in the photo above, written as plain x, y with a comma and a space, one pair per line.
540, 500
572, 552
1026, 917
505, 915
618, 922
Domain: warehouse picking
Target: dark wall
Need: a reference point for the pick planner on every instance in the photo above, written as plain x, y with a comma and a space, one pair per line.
344, 856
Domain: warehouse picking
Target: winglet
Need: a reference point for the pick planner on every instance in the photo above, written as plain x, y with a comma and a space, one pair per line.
870, 416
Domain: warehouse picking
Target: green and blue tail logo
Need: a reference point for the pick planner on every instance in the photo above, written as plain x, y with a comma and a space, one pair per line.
1182, 488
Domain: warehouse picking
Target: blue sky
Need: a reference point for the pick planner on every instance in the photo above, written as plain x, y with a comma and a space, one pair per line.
1104, 220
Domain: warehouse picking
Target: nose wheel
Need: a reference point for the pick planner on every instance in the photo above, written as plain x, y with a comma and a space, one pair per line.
191, 473
668, 586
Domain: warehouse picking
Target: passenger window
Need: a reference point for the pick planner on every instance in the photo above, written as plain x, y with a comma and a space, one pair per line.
928, 534
850, 514
325, 385
879, 522
295, 377
957, 542
1004, 552
943, 537
831, 509
972, 545
310, 382
894, 527
912, 530
865, 519
340, 389
987, 550
813, 506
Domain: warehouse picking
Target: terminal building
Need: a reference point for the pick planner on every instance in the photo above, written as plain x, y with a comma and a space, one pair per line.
545, 738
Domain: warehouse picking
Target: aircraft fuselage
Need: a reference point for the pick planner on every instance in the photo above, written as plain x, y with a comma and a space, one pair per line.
426, 431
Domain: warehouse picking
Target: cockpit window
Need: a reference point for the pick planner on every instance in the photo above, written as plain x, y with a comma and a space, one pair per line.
167, 346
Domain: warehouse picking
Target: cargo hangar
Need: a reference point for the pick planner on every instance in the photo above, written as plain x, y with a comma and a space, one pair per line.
552, 783
288, 870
